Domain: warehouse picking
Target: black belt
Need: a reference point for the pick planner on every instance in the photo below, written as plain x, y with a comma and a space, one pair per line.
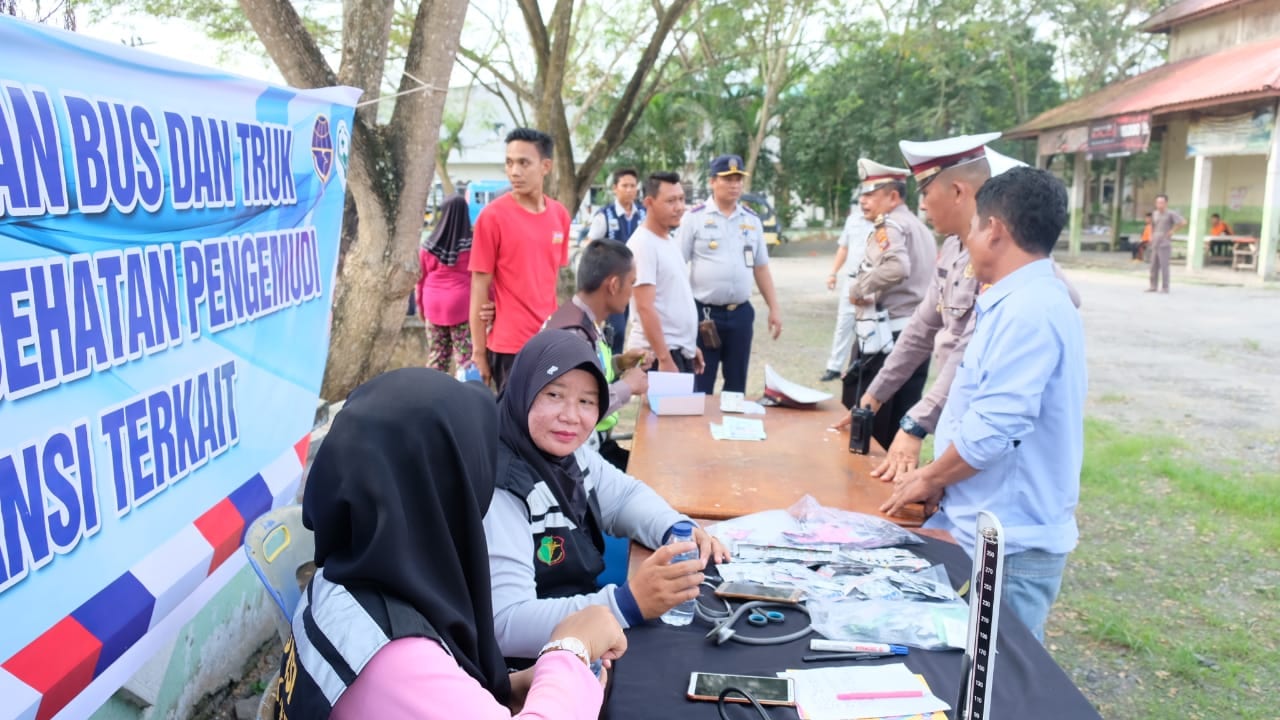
730, 307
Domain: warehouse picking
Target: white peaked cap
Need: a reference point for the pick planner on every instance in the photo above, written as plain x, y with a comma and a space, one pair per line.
929, 158
1001, 163
875, 175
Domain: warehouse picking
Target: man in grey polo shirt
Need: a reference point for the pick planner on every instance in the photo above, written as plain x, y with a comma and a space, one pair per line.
1164, 223
724, 244
666, 321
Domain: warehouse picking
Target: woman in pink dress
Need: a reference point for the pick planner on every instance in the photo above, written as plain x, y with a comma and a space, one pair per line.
444, 290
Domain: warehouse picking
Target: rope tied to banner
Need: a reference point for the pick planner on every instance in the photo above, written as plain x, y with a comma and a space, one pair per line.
422, 87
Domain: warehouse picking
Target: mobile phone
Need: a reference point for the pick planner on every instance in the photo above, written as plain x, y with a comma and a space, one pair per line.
755, 591
766, 690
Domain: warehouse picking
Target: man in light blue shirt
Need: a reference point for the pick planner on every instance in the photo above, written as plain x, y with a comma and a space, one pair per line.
1011, 437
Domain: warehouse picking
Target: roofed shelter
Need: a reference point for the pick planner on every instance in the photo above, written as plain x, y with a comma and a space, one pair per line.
1214, 107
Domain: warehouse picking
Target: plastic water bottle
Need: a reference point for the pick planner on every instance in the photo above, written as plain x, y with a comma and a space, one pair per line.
681, 614
469, 373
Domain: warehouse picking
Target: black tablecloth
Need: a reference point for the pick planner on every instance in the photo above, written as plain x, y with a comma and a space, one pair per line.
650, 681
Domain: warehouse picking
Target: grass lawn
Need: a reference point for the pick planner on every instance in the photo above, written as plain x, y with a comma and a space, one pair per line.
1170, 604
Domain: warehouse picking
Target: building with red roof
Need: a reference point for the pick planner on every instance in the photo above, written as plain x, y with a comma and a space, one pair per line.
1213, 106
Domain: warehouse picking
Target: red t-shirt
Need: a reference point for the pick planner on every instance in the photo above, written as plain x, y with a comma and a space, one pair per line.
524, 252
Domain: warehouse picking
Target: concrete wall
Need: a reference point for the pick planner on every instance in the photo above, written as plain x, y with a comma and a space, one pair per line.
1242, 24
208, 653
1241, 175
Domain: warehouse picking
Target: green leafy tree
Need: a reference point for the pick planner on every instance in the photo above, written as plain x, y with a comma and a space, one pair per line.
554, 69
953, 76
1102, 42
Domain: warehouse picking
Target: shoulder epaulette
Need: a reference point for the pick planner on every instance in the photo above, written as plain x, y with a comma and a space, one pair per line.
697, 208
749, 211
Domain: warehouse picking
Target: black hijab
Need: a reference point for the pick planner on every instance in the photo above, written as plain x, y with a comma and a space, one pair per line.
396, 498
547, 356
453, 231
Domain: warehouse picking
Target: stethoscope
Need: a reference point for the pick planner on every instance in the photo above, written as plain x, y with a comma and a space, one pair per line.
758, 612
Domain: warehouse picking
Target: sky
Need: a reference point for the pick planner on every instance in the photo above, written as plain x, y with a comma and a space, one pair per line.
176, 39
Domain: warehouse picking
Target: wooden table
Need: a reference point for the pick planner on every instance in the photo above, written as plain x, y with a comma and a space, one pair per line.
720, 479
1244, 254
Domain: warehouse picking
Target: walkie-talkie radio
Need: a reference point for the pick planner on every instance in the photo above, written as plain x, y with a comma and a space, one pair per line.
860, 430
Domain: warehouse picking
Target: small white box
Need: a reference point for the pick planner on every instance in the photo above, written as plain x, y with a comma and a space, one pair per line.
691, 404
672, 394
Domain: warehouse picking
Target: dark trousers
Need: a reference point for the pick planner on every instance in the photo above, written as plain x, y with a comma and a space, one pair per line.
500, 368
862, 372
617, 330
735, 328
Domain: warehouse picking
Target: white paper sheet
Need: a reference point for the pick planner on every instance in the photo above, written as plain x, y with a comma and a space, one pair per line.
736, 428
816, 692
669, 383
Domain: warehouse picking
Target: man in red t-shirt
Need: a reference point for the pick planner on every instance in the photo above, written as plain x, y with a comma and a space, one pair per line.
519, 244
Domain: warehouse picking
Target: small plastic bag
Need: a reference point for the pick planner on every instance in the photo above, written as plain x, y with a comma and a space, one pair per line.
848, 529
926, 625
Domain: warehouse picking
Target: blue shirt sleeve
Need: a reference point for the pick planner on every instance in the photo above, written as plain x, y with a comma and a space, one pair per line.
1019, 361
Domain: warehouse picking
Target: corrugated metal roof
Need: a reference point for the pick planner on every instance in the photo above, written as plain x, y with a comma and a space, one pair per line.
1235, 73
1180, 11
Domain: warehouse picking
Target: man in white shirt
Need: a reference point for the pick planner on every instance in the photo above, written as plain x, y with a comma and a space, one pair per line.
852, 245
666, 319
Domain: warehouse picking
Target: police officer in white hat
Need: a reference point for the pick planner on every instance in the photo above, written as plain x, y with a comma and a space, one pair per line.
892, 280
948, 174
850, 247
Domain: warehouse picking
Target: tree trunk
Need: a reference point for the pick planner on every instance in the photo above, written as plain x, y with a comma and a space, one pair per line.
391, 166
551, 41
775, 71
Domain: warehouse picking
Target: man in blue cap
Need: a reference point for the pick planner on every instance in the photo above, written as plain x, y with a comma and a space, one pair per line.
723, 241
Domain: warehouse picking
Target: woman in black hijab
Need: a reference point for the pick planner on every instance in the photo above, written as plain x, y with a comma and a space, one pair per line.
555, 497
397, 621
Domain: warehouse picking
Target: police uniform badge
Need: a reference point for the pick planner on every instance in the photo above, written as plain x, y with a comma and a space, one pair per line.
968, 270
882, 237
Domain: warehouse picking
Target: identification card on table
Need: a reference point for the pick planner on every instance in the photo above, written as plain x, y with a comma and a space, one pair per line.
736, 402
735, 428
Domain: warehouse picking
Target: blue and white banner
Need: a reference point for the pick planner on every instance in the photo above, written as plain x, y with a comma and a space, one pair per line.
168, 244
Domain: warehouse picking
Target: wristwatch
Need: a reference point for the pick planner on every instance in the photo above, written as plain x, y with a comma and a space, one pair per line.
911, 427
571, 644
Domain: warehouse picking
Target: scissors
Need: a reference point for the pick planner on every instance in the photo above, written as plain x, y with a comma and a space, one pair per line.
761, 618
